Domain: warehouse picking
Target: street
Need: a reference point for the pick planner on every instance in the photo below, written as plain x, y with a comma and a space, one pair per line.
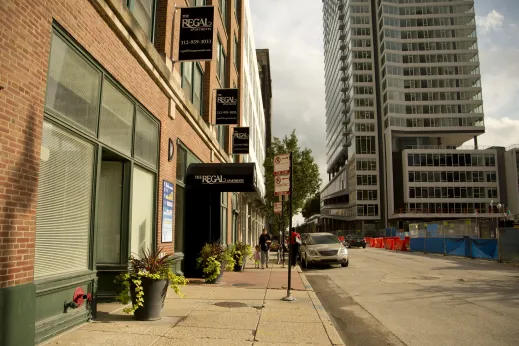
398, 298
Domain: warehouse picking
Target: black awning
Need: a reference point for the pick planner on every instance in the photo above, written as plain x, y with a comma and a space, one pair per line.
222, 177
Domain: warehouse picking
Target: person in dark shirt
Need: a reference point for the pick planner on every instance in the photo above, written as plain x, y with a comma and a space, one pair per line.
264, 242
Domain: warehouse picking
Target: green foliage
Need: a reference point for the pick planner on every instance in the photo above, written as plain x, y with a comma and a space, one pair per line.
305, 172
239, 252
153, 265
312, 206
211, 269
212, 253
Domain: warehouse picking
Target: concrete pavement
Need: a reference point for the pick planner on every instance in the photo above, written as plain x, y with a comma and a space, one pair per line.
246, 309
395, 298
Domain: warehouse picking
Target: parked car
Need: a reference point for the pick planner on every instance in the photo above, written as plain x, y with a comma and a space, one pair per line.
355, 241
322, 248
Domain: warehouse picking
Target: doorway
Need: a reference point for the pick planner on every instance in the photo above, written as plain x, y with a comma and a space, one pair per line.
112, 221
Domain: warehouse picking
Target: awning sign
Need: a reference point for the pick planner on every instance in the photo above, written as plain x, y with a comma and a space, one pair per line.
281, 185
240, 140
282, 164
227, 106
196, 33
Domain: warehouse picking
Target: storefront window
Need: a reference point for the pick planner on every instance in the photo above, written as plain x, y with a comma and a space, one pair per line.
73, 86
116, 119
143, 202
184, 159
63, 216
223, 229
146, 139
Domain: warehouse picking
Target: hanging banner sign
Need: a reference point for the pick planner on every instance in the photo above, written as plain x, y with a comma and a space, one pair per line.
282, 164
196, 33
167, 212
240, 140
277, 207
227, 106
281, 185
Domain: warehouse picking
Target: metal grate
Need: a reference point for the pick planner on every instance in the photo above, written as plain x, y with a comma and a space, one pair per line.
328, 253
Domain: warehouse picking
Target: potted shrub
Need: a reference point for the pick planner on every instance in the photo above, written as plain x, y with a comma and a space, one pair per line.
240, 253
146, 284
214, 259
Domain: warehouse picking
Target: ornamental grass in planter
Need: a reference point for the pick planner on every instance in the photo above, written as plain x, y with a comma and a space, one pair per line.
146, 283
213, 260
240, 253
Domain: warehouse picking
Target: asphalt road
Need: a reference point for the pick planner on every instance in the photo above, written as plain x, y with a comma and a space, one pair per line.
397, 298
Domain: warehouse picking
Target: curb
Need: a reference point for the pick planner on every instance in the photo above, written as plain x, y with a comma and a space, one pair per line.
332, 333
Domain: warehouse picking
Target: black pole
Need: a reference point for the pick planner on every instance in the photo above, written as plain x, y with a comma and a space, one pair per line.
289, 286
283, 229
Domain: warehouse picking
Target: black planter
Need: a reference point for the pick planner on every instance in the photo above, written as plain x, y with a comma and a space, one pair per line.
219, 277
154, 295
238, 267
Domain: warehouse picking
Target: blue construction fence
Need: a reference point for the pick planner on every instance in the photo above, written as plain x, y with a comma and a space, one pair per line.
465, 247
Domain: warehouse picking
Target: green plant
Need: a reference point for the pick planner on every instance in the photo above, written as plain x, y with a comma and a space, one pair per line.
211, 269
153, 265
240, 252
212, 256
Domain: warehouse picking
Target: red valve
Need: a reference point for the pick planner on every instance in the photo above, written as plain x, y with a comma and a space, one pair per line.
78, 296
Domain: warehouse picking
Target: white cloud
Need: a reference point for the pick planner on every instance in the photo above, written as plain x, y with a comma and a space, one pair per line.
501, 132
493, 21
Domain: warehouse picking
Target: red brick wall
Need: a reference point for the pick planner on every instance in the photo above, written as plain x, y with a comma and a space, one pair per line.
24, 47
24, 42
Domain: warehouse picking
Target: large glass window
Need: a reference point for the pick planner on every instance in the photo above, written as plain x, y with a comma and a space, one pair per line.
192, 83
63, 216
220, 61
143, 11
236, 53
223, 12
116, 124
73, 86
143, 202
146, 138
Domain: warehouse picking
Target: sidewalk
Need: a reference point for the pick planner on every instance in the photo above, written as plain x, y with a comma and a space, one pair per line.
245, 309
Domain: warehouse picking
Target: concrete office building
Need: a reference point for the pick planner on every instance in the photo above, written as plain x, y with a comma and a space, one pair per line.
94, 118
403, 84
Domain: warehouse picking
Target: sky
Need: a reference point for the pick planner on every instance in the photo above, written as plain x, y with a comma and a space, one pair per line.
292, 31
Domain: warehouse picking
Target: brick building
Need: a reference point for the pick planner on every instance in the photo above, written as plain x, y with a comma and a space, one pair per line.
91, 109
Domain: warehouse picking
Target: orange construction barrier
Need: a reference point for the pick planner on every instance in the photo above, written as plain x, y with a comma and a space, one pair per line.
390, 244
379, 243
372, 242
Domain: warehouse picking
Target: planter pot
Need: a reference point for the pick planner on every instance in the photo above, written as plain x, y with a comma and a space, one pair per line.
239, 268
154, 295
219, 277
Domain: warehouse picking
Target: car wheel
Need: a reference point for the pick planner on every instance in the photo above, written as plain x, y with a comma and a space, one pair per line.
345, 264
364, 246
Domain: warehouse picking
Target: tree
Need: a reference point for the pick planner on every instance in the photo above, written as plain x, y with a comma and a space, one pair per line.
312, 206
305, 172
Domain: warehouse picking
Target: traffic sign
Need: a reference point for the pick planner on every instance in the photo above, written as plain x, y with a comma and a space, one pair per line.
281, 185
282, 164
278, 207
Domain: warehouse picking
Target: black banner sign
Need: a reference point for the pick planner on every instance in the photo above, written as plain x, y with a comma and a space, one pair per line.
196, 33
227, 106
240, 140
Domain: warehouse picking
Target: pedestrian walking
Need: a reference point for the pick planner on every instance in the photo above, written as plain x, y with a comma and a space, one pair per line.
295, 241
264, 242
256, 256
